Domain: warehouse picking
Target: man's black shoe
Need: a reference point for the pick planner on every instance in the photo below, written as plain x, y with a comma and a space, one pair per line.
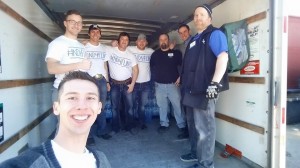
184, 134
134, 130
188, 158
162, 129
143, 127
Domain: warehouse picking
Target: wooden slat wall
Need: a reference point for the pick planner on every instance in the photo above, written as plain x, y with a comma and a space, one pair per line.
250, 80
9, 11
243, 124
23, 82
6, 144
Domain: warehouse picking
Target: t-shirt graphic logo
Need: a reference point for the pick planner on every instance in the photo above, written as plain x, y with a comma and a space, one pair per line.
95, 55
121, 61
142, 57
75, 52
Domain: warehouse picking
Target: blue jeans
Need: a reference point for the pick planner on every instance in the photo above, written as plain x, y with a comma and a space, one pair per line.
140, 95
117, 92
99, 127
165, 93
202, 131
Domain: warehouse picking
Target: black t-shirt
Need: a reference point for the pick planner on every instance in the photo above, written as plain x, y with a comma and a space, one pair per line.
164, 65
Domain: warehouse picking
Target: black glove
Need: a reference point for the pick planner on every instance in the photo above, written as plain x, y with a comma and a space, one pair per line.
212, 90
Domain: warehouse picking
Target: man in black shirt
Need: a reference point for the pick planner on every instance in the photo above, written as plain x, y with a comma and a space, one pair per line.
164, 67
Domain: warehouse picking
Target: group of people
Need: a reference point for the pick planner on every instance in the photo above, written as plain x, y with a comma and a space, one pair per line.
190, 81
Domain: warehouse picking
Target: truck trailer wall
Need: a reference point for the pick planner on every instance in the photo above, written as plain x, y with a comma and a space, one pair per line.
246, 103
22, 58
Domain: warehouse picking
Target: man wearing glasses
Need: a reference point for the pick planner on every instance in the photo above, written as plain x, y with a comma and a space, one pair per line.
65, 53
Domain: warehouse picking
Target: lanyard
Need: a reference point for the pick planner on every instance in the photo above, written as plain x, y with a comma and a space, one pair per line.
197, 36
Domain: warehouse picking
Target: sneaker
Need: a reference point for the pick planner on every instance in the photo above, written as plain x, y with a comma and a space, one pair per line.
183, 136
188, 158
144, 127
162, 129
194, 166
90, 141
104, 136
133, 131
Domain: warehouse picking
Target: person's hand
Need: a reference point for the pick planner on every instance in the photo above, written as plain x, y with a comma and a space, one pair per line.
108, 86
114, 43
177, 83
212, 90
172, 44
130, 88
85, 64
84, 42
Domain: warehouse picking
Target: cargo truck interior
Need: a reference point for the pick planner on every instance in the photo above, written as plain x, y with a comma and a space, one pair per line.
244, 114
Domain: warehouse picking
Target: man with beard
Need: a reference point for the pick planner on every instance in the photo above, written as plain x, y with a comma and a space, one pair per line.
164, 67
203, 77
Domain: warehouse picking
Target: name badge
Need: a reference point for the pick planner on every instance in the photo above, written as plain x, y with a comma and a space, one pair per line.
193, 44
170, 54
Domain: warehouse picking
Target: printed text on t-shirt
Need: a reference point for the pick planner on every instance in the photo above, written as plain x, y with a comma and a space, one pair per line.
75, 52
142, 57
120, 61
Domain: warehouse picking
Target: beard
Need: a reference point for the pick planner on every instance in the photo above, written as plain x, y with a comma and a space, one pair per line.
163, 46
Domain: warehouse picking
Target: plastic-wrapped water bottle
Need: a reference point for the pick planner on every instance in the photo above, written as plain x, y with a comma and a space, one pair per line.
148, 113
107, 107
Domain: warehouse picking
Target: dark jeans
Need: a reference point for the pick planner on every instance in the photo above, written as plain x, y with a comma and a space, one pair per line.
140, 95
119, 91
99, 127
202, 131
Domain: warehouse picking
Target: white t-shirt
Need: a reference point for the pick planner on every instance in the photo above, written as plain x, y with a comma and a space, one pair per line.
97, 55
143, 59
66, 51
68, 159
120, 63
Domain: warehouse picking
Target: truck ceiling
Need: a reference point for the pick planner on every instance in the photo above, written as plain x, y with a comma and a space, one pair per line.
150, 17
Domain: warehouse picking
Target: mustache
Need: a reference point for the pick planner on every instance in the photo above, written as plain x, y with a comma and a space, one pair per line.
164, 46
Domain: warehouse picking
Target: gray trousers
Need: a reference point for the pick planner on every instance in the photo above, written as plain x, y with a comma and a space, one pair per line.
202, 131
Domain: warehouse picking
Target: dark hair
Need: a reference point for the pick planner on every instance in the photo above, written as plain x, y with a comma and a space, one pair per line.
73, 76
164, 34
123, 34
71, 12
183, 25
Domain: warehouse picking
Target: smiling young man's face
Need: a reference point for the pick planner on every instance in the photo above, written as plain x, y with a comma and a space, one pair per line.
78, 106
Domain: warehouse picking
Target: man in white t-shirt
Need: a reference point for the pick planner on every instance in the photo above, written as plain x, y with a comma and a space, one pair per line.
141, 89
96, 53
78, 106
123, 70
65, 53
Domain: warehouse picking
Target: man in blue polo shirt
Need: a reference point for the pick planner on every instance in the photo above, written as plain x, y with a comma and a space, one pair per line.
203, 77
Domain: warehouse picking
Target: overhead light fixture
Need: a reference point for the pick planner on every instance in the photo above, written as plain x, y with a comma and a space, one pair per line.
174, 17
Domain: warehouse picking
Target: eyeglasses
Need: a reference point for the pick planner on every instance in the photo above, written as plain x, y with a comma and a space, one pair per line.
73, 22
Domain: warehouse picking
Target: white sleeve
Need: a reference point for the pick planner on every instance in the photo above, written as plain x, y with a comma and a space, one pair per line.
55, 51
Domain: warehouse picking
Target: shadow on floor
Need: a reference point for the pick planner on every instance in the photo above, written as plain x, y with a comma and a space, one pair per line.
149, 149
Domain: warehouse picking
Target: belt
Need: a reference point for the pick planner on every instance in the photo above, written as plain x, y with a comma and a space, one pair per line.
127, 81
98, 76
